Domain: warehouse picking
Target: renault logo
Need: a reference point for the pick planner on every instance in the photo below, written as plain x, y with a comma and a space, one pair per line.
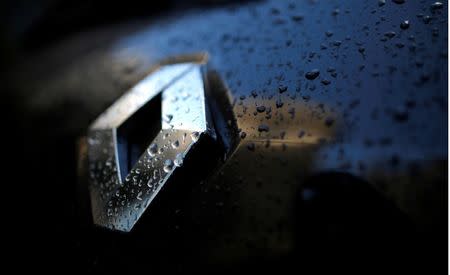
138, 143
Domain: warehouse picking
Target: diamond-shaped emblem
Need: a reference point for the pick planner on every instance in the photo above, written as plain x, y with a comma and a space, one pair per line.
135, 146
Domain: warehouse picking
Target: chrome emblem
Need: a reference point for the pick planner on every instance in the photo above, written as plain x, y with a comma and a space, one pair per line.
135, 146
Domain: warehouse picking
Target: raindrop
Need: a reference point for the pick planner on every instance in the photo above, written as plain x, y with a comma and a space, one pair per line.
436, 6
263, 128
175, 144
301, 133
92, 141
404, 25
390, 34
168, 118
260, 109
282, 89
297, 18
279, 103
337, 43
178, 160
168, 165
149, 183
139, 196
195, 136
313, 74
329, 121
152, 149
400, 114
325, 82
426, 19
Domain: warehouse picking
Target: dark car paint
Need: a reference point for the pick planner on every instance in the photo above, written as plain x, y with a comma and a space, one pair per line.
376, 113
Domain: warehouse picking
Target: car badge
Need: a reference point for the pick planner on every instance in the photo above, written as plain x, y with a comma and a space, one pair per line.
138, 143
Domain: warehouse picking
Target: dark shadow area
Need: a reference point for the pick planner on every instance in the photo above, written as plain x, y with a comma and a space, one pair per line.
346, 224
33, 25
222, 112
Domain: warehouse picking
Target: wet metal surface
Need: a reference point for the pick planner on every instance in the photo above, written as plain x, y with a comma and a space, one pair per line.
119, 200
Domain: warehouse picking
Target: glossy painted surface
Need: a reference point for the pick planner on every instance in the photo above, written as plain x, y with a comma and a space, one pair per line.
316, 86
377, 107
